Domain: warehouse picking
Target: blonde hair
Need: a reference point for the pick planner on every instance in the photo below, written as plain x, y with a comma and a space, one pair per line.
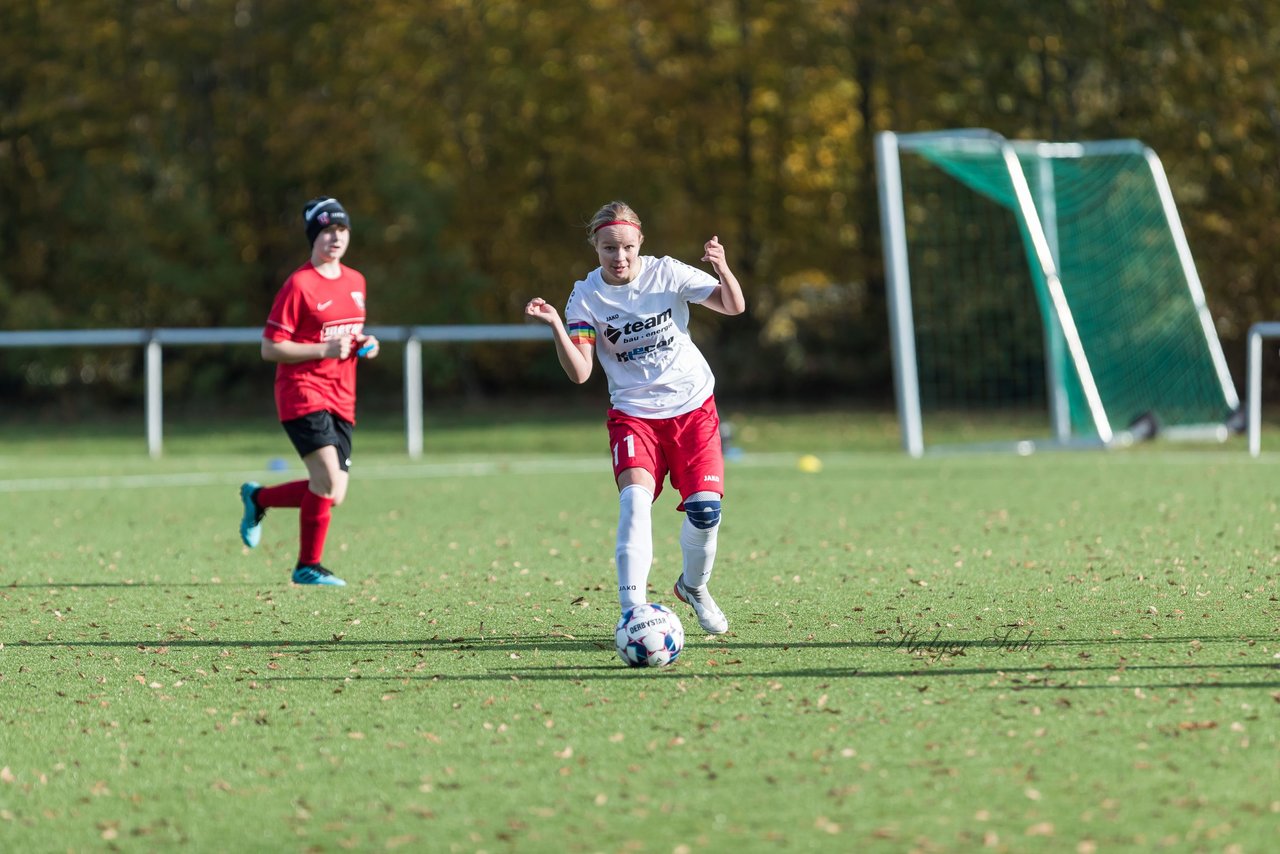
614, 213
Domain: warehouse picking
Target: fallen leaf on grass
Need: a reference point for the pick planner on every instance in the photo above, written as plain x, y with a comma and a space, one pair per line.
826, 825
400, 841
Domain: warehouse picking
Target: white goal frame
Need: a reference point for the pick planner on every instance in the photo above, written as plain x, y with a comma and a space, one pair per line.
1061, 332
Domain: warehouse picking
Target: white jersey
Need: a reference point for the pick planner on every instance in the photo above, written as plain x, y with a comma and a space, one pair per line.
641, 334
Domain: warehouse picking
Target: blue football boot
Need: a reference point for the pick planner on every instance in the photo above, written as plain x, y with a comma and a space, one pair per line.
251, 521
316, 574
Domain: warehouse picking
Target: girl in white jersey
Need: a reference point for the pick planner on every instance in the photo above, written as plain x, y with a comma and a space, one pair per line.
632, 313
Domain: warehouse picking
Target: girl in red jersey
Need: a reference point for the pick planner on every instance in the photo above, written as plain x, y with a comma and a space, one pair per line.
314, 334
632, 313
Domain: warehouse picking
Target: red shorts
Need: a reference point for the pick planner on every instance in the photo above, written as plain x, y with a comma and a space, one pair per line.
686, 447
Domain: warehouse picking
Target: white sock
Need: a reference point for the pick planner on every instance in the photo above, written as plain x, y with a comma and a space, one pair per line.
634, 553
699, 547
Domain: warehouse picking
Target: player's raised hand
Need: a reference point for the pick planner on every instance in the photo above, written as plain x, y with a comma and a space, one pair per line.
714, 254
542, 311
727, 299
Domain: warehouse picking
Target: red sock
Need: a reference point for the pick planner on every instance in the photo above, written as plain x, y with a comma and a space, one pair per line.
313, 525
284, 495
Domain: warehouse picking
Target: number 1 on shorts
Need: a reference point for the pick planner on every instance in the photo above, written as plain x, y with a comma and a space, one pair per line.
630, 442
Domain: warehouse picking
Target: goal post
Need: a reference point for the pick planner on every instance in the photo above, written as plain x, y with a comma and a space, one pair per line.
1046, 288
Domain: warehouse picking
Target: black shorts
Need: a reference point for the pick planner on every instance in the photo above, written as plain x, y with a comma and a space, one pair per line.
315, 430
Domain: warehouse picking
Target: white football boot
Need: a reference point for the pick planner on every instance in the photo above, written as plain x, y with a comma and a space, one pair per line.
710, 617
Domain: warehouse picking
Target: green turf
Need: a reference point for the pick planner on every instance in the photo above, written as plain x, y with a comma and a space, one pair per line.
1065, 652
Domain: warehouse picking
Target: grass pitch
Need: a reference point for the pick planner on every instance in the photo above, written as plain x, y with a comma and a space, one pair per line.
1066, 652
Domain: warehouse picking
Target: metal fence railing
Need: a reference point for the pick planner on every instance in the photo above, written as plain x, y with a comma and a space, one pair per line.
1253, 395
155, 340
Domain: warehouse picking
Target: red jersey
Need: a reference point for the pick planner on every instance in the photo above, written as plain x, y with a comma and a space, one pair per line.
311, 309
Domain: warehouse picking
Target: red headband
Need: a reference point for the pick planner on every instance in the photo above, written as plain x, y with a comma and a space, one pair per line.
614, 222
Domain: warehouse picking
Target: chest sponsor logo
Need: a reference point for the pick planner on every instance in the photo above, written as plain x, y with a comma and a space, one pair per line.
635, 327
340, 330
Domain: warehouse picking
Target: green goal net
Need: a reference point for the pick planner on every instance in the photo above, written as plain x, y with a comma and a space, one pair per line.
1043, 293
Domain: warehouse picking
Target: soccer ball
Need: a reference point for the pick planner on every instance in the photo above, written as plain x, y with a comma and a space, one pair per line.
649, 636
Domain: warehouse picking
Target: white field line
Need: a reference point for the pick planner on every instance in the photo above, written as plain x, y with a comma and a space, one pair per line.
521, 466
408, 471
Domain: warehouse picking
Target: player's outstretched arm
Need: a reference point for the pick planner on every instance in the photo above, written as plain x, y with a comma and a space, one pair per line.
292, 352
576, 359
728, 298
